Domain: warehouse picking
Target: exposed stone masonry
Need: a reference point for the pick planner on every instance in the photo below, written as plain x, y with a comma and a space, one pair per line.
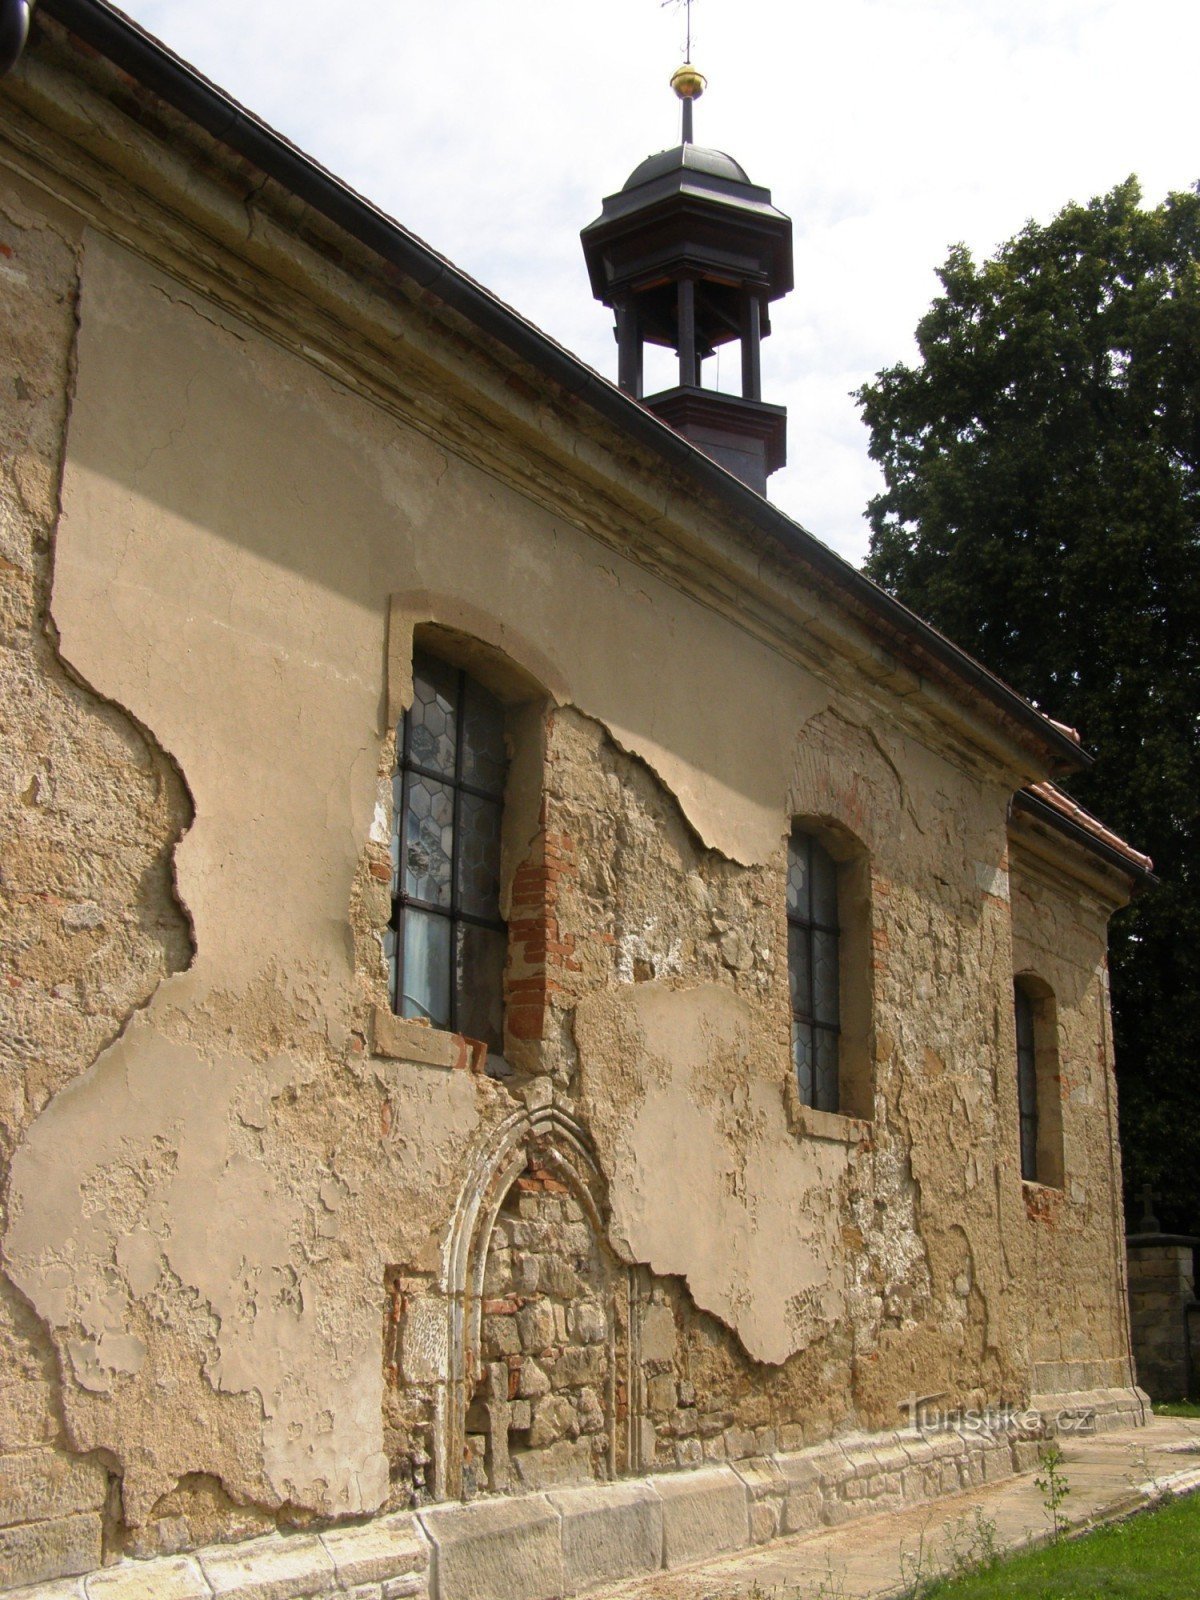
546, 1397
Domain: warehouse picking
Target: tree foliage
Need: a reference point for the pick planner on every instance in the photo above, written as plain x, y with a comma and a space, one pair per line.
1042, 507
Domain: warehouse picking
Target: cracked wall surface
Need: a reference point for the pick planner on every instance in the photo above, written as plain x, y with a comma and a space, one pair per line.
234, 1183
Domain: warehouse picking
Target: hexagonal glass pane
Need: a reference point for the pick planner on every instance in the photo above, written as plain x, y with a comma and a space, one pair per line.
432, 718
479, 857
798, 877
799, 976
429, 840
804, 1058
825, 977
824, 886
826, 1070
484, 759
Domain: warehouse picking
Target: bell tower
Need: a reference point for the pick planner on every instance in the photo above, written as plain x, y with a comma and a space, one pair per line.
689, 254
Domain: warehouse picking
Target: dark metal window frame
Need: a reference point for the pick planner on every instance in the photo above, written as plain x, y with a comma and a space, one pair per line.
1025, 1011
808, 926
401, 899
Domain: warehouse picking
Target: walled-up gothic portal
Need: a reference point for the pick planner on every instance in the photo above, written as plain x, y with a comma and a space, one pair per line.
545, 1403
543, 1383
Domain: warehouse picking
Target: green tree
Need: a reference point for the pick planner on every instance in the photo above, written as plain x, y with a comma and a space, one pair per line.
1042, 507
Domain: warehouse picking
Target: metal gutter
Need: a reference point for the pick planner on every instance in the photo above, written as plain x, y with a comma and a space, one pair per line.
138, 54
1132, 864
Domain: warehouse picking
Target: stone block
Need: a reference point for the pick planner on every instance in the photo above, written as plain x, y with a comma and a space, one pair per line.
496, 1550
567, 1461
58, 1589
165, 1578
60, 1548
533, 1381
278, 1567
535, 1326
581, 1364
26, 1413
997, 1464
660, 1393
40, 1484
414, 1583
553, 1417
388, 1548
658, 1334
705, 1513
798, 1471
764, 1521
763, 1478
588, 1323
609, 1533
801, 1512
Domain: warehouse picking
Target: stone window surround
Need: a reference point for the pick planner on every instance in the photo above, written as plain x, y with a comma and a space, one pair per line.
1050, 1178
852, 1122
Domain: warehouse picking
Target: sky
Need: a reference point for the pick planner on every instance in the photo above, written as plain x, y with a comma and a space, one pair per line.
888, 130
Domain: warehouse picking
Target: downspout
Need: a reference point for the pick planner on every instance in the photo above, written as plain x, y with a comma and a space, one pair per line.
14, 30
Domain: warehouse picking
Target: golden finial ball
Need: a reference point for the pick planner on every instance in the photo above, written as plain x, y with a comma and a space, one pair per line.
687, 83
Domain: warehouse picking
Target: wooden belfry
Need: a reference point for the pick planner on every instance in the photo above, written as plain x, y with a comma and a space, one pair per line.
689, 254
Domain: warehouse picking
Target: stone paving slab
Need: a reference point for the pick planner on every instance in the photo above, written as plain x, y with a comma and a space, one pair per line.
1110, 1475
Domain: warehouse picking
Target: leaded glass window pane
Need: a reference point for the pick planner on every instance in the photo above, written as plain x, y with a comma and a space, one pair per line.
825, 977
447, 943
1027, 1083
827, 1070
426, 967
432, 721
798, 878
479, 962
429, 840
484, 762
804, 1056
479, 857
813, 977
799, 969
824, 887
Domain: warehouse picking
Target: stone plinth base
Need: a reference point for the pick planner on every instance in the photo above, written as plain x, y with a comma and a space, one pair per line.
574, 1540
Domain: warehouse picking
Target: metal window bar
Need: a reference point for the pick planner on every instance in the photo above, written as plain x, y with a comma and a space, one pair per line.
401, 899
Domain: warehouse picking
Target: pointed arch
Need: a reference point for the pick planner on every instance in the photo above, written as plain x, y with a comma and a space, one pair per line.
554, 1139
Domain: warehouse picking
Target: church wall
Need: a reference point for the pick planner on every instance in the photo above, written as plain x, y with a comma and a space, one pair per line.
1070, 1238
244, 1207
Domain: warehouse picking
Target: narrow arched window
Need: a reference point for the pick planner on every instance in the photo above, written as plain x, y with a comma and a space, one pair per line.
449, 942
1027, 1082
812, 915
1039, 1082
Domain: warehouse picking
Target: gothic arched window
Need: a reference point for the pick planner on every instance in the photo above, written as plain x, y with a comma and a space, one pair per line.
448, 940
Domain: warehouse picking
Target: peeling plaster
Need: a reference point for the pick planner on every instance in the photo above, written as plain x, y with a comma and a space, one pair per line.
708, 1180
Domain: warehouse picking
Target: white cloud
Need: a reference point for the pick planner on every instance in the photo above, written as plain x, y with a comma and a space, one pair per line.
888, 130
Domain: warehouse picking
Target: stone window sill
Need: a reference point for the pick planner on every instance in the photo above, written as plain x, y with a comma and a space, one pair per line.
403, 1039
809, 1123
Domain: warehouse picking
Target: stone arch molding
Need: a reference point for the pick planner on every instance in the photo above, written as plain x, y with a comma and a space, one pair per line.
557, 1141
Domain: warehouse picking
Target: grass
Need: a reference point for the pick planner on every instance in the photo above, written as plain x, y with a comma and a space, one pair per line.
1154, 1556
1177, 1408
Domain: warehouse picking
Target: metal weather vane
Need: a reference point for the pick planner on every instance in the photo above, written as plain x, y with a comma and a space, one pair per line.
687, 7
